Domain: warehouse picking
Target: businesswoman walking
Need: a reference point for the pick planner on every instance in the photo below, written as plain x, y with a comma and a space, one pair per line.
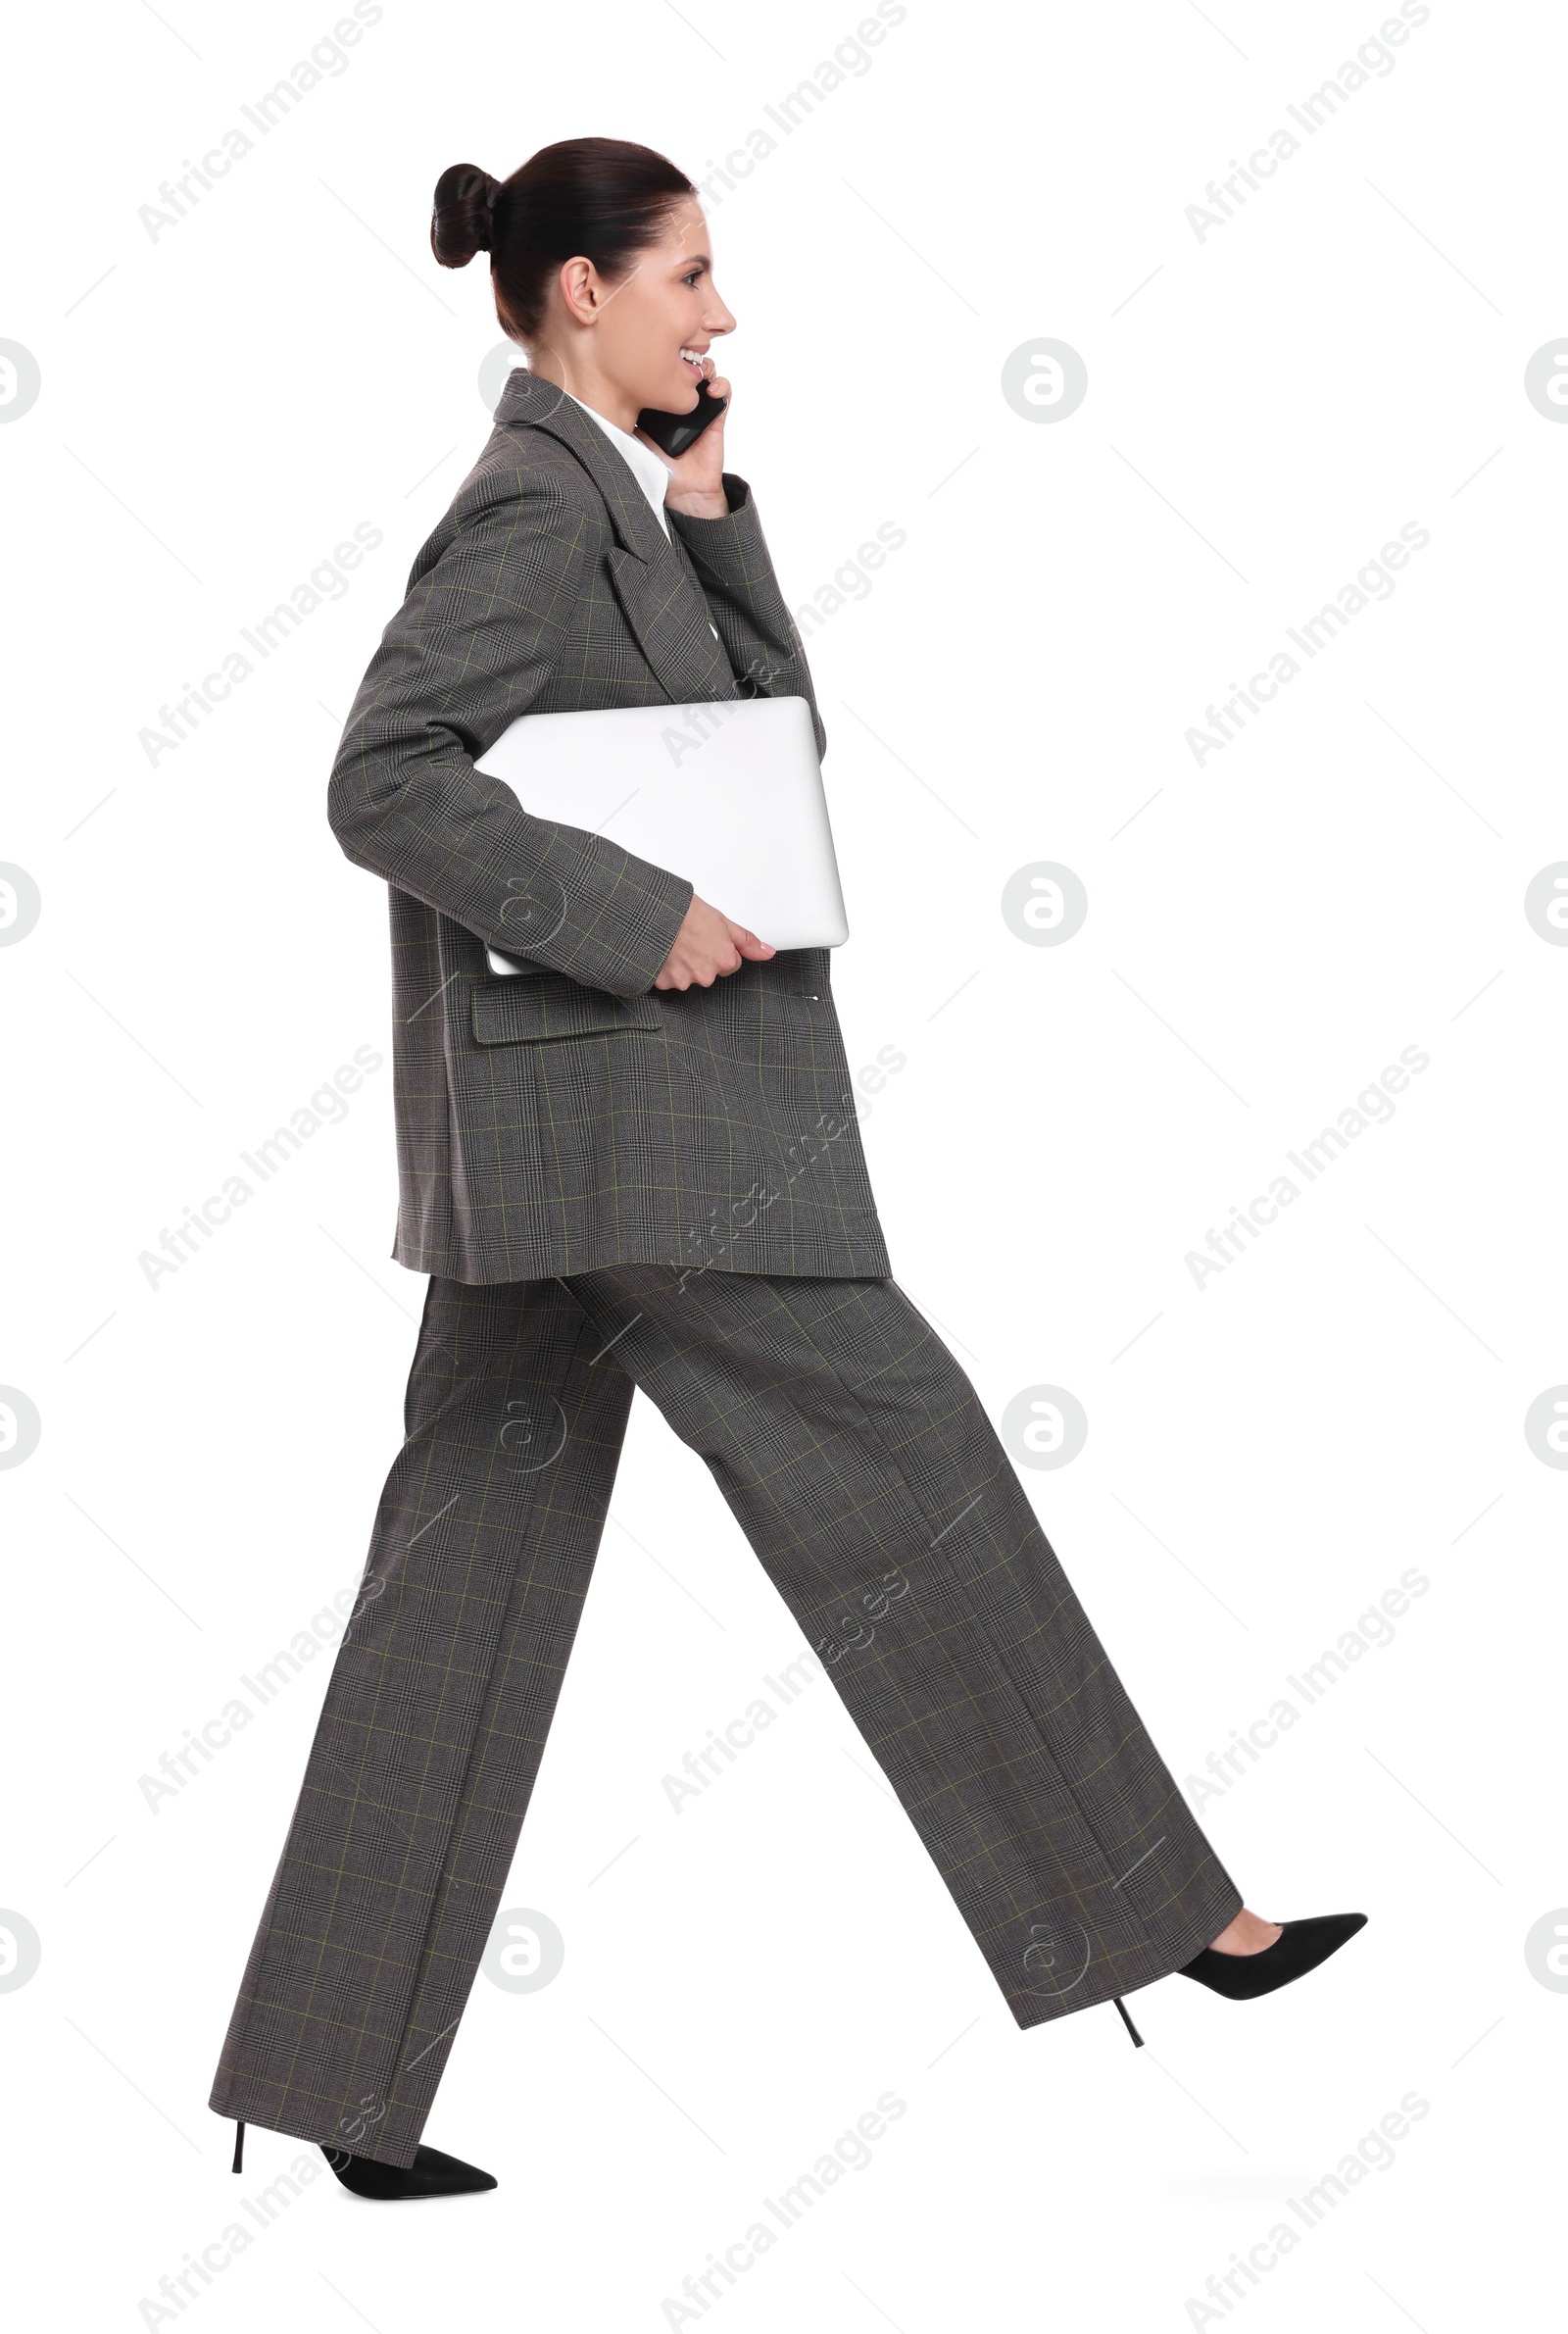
638, 1164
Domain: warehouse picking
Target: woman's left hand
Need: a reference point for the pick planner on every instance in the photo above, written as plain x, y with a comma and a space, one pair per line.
697, 477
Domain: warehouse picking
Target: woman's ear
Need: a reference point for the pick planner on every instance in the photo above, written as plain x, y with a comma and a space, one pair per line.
581, 291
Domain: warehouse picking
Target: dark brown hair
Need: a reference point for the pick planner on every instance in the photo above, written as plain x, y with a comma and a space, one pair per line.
599, 199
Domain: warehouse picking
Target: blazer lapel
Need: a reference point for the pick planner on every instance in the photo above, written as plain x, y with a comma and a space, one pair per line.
653, 579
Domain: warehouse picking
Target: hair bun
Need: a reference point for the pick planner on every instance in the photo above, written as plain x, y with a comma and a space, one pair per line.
459, 219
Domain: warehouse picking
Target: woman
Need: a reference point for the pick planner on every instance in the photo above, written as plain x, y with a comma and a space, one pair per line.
638, 1164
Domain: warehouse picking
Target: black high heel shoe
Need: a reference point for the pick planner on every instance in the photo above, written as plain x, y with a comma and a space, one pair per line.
431, 2173
1299, 1947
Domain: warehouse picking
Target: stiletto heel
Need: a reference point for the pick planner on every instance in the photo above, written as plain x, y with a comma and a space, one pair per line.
238, 2164
1300, 1946
1138, 2040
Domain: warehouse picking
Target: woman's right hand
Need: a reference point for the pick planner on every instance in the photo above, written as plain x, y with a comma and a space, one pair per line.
708, 945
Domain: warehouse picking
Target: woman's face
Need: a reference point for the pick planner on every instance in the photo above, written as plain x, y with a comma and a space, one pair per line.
665, 311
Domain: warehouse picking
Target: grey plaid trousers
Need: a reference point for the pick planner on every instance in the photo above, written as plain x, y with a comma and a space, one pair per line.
855, 1456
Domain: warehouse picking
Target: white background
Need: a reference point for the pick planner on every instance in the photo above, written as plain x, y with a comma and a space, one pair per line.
1266, 1454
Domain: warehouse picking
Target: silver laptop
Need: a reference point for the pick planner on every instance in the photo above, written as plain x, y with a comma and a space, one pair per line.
727, 794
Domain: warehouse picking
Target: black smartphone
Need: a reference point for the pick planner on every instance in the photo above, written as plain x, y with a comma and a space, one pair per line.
674, 433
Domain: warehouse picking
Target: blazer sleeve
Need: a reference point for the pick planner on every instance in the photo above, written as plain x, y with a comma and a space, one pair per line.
736, 571
475, 641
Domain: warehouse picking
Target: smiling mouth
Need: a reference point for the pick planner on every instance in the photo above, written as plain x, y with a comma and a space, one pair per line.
692, 359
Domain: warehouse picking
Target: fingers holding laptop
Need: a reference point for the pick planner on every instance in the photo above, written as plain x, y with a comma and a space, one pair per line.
707, 945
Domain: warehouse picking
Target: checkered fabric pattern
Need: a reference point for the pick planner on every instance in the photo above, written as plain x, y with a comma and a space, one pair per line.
575, 1116
856, 1457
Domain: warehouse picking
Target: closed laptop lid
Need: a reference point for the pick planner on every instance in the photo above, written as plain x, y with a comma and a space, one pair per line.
727, 794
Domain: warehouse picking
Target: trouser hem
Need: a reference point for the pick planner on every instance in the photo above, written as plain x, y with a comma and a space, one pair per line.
397, 2145
1102, 1983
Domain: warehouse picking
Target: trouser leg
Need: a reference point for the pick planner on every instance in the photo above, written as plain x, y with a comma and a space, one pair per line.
859, 1462
433, 1724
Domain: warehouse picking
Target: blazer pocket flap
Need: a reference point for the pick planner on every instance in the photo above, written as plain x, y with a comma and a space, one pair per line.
519, 1010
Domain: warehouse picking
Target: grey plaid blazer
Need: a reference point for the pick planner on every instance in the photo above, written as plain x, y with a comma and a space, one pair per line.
575, 1117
